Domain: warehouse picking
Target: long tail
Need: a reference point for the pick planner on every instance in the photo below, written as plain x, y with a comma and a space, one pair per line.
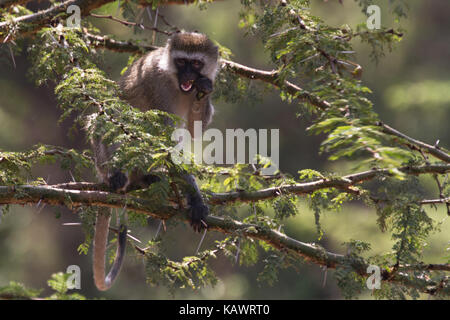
100, 241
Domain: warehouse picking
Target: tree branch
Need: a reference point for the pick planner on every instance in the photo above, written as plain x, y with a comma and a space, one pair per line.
116, 45
272, 78
128, 23
313, 253
436, 201
343, 183
414, 144
73, 198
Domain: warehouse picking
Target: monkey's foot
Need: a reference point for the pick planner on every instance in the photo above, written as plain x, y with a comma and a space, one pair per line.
198, 213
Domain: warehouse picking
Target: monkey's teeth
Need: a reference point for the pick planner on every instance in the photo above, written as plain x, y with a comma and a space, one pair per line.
186, 86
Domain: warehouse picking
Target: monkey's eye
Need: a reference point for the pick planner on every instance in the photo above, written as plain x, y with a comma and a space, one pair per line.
180, 62
197, 64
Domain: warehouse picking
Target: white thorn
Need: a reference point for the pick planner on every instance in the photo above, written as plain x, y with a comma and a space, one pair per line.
238, 251
73, 179
43, 206
149, 13
325, 277
201, 241
157, 230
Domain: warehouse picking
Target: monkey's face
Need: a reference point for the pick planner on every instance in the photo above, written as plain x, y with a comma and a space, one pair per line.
188, 71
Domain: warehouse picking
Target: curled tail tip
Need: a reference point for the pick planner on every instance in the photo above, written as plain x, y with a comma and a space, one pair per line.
105, 283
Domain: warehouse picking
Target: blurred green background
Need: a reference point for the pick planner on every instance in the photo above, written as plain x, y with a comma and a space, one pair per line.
411, 91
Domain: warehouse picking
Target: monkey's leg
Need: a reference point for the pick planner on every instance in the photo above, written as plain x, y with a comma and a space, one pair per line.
100, 241
198, 210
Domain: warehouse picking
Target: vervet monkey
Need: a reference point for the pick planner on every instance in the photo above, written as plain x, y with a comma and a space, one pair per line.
178, 79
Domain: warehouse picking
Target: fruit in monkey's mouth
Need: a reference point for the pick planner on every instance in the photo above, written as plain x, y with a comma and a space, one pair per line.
186, 86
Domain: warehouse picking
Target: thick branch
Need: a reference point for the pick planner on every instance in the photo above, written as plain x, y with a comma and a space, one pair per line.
436, 201
272, 78
310, 252
344, 183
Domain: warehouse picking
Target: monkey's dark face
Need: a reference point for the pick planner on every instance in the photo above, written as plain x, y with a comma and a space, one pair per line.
188, 71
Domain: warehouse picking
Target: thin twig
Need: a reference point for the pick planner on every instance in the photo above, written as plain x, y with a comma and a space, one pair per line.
129, 23
414, 143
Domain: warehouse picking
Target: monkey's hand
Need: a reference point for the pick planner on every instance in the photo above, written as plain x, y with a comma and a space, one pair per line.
204, 87
198, 212
118, 181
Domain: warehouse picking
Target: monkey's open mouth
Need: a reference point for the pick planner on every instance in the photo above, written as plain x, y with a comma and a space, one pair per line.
186, 86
